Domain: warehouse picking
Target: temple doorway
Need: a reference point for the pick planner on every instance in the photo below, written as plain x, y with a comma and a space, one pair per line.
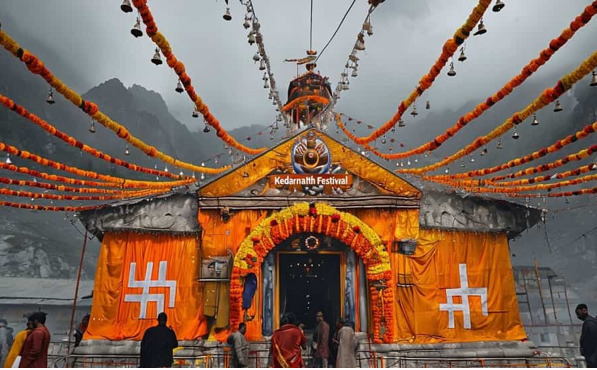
310, 282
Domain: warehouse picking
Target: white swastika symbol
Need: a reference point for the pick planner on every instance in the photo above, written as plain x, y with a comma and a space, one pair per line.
147, 283
464, 291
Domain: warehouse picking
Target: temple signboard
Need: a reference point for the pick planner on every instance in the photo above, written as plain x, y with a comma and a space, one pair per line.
342, 181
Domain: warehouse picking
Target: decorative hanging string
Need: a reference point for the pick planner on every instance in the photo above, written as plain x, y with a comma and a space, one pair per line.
336, 31
527, 71
45, 185
556, 195
574, 172
36, 207
585, 153
179, 68
36, 66
19, 109
57, 178
558, 145
448, 50
518, 189
256, 27
297, 101
122, 182
32, 195
547, 97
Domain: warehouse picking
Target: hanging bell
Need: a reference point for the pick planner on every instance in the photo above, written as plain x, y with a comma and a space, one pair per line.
472, 159
126, 150
354, 73
594, 79
535, 120
266, 85
360, 44
451, 72
181, 174
92, 127
227, 16
262, 65
264, 78
499, 145
165, 168
558, 107
126, 6
256, 57
50, 100
195, 113
383, 140
515, 135
202, 176
8, 161
136, 30
480, 28
483, 152
206, 128
179, 89
462, 165
270, 96
462, 57
247, 24
401, 123
447, 170
251, 36
414, 113
499, 5
157, 59
428, 105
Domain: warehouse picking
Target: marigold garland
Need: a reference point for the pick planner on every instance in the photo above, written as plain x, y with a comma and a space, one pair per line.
28, 194
179, 68
57, 178
19, 109
304, 217
527, 71
558, 145
547, 97
315, 98
448, 50
124, 183
36, 207
48, 186
36, 66
541, 168
519, 189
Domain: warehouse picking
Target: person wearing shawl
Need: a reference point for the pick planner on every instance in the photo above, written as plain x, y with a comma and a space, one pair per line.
287, 344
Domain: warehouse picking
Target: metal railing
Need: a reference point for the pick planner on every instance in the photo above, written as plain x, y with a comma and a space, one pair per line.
376, 360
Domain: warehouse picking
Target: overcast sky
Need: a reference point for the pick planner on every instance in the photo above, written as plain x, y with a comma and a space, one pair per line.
408, 35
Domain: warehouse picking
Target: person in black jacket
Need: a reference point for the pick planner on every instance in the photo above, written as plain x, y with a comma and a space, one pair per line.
588, 337
157, 344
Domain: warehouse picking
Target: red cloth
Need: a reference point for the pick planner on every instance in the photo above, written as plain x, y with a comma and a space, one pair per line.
287, 345
35, 348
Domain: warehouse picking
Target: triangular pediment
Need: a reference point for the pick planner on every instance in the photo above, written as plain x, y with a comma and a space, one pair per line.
310, 164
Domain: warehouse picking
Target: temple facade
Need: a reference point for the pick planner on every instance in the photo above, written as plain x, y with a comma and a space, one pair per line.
310, 225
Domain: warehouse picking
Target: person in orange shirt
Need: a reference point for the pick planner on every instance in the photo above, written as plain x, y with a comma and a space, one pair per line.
17, 345
287, 344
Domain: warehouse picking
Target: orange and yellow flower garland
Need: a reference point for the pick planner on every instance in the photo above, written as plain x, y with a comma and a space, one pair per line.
317, 218
36, 207
558, 145
124, 183
36, 66
19, 109
33, 195
519, 189
314, 98
48, 186
57, 178
448, 50
547, 97
179, 68
527, 71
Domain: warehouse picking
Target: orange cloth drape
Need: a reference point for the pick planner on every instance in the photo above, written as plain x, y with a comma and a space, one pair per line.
112, 317
424, 277
217, 237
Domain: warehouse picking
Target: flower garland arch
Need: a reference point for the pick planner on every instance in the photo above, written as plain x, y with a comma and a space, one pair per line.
322, 219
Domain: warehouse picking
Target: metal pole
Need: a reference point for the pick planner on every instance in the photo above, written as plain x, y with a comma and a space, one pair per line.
72, 316
540, 291
553, 304
567, 302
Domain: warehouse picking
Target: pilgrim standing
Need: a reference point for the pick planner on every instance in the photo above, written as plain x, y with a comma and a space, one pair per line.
157, 344
35, 348
346, 346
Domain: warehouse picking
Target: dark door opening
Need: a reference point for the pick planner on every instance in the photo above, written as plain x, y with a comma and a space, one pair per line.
310, 282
